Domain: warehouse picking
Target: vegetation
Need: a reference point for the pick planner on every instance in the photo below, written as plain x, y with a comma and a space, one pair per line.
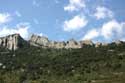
105, 64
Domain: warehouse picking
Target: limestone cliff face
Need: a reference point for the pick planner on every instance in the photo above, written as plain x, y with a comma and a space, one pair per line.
86, 42
15, 41
38, 40
98, 44
12, 42
118, 42
44, 42
72, 44
54, 44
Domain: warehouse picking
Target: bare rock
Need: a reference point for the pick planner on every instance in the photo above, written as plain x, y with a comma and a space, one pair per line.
118, 42
43, 41
52, 44
98, 44
12, 42
60, 45
72, 44
86, 42
105, 44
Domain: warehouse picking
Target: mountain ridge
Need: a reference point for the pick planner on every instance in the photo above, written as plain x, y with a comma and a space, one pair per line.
15, 41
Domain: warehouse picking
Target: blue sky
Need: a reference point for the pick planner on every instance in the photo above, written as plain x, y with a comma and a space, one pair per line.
98, 20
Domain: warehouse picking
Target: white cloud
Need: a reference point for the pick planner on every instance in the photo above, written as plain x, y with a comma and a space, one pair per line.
76, 23
21, 29
103, 12
75, 5
112, 30
91, 34
5, 17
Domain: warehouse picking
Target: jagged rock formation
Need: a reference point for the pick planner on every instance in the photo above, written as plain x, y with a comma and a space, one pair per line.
12, 42
86, 42
44, 42
55, 44
98, 44
15, 41
105, 44
72, 44
118, 42
38, 40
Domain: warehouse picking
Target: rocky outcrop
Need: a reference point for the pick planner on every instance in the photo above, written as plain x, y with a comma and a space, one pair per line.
12, 42
44, 42
72, 44
118, 42
86, 42
15, 41
98, 44
54, 44
38, 40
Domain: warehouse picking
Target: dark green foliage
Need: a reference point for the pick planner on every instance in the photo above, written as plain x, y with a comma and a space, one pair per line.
38, 65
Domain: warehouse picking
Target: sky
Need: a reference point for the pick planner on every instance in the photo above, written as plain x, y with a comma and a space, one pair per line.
61, 20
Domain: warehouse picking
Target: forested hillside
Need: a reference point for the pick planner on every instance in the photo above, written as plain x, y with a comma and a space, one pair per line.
104, 64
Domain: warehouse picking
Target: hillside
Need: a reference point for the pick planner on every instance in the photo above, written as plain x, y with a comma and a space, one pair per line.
90, 64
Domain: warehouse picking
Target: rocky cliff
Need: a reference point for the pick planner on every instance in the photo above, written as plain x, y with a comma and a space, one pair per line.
15, 41
44, 42
39, 41
12, 42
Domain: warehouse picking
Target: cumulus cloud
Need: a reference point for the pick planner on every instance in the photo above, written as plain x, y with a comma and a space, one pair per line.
5, 17
91, 34
112, 30
21, 29
76, 23
103, 12
75, 5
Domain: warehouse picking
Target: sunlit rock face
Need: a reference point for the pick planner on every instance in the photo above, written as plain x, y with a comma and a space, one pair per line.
98, 44
44, 42
39, 40
12, 42
118, 42
15, 41
105, 44
86, 42
72, 44
60, 45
